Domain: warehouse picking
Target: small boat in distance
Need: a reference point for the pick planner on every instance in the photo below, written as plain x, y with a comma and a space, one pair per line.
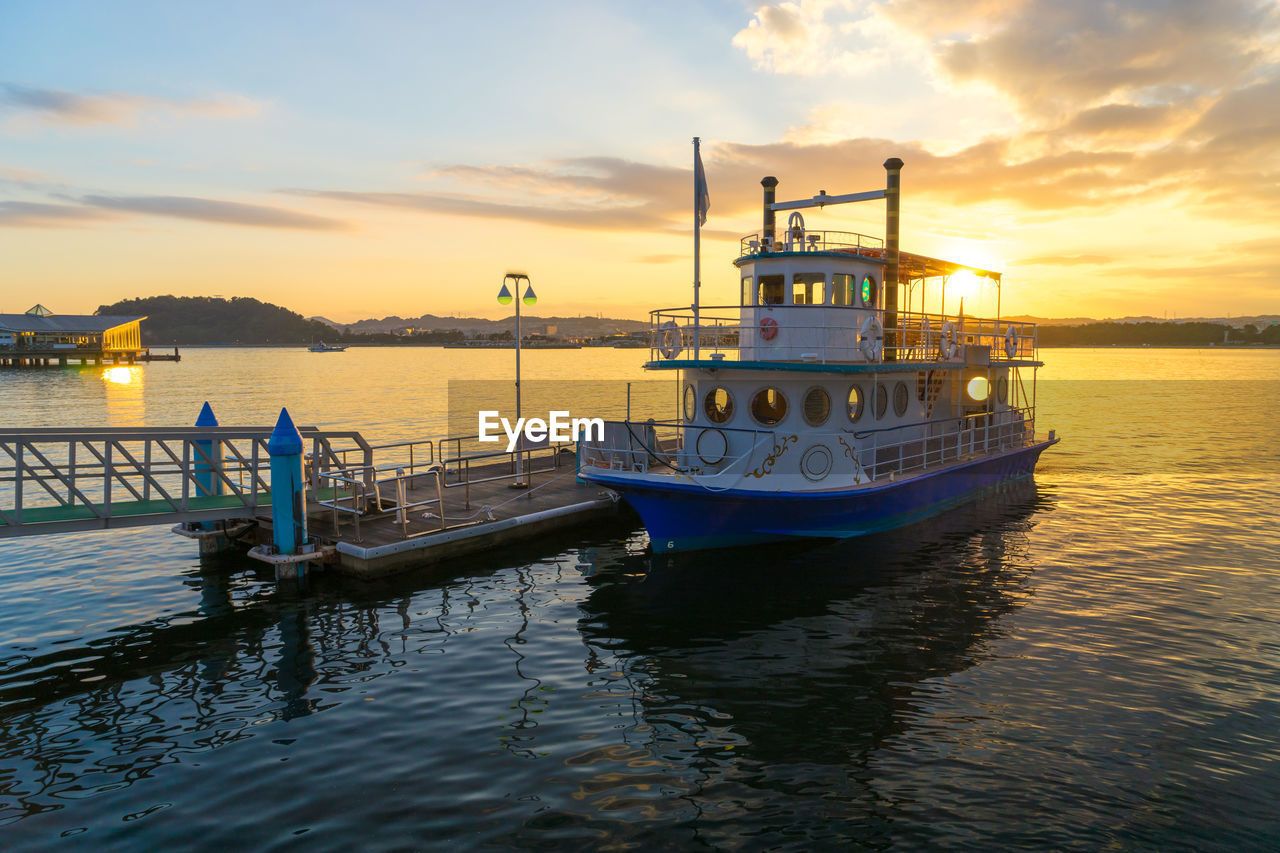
323, 347
820, 405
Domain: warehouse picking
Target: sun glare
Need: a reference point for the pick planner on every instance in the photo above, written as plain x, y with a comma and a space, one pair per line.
120, 375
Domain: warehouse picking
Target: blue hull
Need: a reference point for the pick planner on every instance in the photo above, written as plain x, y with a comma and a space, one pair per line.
683, 517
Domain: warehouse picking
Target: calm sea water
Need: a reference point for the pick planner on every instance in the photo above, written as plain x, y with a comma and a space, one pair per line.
1092, 660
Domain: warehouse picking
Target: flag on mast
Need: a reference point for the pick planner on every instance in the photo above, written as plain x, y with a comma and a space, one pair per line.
700, 187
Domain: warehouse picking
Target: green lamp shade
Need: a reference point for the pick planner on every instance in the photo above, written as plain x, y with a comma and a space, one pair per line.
530, 298
504, 296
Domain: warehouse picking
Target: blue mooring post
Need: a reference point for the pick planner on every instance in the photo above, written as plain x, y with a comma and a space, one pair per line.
210, 482
288, 489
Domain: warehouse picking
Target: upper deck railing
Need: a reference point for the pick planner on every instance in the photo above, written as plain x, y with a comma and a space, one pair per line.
803, 240
828, 334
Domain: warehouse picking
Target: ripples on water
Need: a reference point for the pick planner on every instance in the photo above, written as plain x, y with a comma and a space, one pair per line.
1090, 660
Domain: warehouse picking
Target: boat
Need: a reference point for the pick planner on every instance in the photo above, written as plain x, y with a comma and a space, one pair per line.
823, 404
323, 347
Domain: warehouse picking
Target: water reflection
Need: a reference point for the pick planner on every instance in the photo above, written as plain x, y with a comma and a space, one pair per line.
124, 393
753, 680
601, 692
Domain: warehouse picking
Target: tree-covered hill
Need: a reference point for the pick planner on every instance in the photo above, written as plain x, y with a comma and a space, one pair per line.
1155, 334
210, 320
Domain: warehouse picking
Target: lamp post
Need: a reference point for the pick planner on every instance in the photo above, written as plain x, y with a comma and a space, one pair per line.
505, 297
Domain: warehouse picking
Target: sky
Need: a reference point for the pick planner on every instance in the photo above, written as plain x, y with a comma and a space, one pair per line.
357, 160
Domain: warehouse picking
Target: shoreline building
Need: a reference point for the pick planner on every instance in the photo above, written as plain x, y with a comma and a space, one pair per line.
41, 337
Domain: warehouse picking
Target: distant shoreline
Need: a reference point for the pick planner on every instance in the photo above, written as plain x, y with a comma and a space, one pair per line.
531, 348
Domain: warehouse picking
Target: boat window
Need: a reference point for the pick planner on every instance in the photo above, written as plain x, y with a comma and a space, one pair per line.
882, 401
1002, 389
718, 405
806, 288
690, 403
771, 289
841, 289
855, 403
978, 388
900, 398
817, 406
768, 406
748, 292
868, 292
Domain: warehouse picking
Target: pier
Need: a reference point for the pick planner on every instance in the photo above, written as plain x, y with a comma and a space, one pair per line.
355, 507
41, 338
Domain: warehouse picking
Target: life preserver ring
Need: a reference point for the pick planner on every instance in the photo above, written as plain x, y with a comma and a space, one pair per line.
1011, 342
768, 328
711, 446
671, 340
871, 338
950, 344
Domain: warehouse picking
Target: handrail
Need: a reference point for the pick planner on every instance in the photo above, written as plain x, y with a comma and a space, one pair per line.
807, 240
840, 334
920, 447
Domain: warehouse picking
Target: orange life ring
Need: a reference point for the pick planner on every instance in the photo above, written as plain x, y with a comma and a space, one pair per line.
768, 328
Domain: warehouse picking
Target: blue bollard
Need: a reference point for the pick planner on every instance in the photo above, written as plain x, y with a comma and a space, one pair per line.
288, 489
210, 483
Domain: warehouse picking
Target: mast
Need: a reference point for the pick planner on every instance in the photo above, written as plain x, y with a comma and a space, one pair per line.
699, 214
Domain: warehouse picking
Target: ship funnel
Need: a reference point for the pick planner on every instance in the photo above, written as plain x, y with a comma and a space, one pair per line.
770, 185
892, 199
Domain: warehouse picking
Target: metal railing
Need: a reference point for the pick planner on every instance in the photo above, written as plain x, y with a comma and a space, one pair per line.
836, 334
794, 239
54, 480
747, 457
358, 492
453, 462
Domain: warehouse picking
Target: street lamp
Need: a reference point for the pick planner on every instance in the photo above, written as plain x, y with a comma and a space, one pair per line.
505, 297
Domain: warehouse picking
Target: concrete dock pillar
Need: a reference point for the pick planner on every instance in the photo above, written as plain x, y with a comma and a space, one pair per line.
288, 490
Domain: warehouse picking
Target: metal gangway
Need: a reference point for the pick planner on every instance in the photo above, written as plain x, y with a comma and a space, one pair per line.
55, 480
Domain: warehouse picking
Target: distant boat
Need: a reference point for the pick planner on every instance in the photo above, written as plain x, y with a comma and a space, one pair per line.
323, 347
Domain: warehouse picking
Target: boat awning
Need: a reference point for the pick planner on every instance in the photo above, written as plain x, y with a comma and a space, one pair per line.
920, 266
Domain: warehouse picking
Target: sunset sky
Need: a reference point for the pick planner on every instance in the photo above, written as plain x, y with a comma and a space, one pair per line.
364, 159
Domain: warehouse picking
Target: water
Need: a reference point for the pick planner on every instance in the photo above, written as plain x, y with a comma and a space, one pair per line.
1091, 660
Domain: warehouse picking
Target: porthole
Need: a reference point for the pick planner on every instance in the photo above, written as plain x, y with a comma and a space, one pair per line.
900, 397
868, 292
769, 406
882, 401
817, 406
690, 403
978, 389
1002, 389
855, 403
718, 405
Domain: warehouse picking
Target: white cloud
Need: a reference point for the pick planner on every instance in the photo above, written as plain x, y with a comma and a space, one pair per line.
813, 37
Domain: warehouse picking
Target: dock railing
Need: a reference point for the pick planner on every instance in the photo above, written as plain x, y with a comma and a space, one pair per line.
56, 479
383, 483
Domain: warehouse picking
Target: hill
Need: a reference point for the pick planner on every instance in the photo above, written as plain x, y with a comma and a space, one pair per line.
210, 320
1156, 334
